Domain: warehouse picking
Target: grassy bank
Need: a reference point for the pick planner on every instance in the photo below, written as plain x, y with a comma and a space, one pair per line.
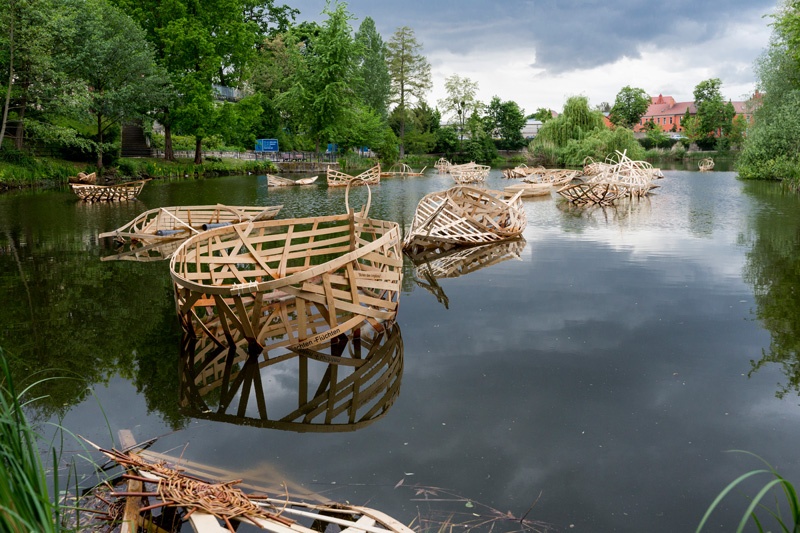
27, 171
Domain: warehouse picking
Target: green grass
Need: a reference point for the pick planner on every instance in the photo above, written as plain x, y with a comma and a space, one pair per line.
775, 487
25, 502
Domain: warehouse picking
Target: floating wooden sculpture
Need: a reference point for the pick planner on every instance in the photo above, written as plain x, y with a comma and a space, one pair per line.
89, 179
221, 380
368, 177
277, 181
555, 177
522, 171
433, 265
603, 193
706, 164
469, 173
108, 193
219, 507
464, 216
340, 271
442, 165
529, 190
401, 171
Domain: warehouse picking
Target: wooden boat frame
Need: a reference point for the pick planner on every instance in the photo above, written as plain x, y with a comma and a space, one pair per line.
469, 173
174, 222
601, 193
442, 165
337, 272
401, 170
529, 190
278, 181
121, 192
370, 176
464, 216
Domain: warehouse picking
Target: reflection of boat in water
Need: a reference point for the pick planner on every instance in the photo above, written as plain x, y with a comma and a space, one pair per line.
430, 266
229, 383
464, 216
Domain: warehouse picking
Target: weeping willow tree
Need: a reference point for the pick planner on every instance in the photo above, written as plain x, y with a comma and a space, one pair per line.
579, 131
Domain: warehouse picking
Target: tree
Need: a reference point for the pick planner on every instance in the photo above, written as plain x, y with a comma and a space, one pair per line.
603, 107
460, 101
504, 120
322, 92
542, 115
714, 115
629, 106
576, 122
375, 83
108, 52
410, 73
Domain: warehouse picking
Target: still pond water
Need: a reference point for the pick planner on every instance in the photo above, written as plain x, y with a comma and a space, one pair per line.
602, 372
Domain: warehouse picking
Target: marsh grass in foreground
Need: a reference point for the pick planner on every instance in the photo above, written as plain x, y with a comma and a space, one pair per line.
776, 483
25, 502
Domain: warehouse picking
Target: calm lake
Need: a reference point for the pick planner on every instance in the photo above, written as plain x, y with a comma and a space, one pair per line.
603, 371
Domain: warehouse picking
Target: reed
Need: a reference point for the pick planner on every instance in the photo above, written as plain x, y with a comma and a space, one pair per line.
25, 501
775, 484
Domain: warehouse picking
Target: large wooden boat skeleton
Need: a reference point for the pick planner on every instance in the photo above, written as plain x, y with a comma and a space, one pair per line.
335, 272
618, 177
337, 178
464, 216
120, 192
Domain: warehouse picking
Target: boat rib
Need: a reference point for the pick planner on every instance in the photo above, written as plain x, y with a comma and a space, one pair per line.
371, 176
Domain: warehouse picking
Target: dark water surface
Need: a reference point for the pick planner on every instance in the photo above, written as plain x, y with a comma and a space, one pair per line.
603, 374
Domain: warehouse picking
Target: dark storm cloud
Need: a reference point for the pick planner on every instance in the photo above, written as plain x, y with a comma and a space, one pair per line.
565, 34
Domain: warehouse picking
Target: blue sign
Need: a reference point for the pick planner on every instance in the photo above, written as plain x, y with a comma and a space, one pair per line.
266, 145
333, 148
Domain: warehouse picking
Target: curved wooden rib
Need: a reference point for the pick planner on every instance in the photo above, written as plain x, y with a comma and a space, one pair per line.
464, 216
108, 193
368, 177
225, 382
469, 173
442, 165
591, 193
706, 164
342, 271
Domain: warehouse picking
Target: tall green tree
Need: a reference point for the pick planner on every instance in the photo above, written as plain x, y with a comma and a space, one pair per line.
504, 121
322, 93
542, 115
107, 51
630, 105
410, 73
461, 101
375, 82
715, 116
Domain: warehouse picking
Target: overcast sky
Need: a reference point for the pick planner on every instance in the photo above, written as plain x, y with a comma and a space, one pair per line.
539, 52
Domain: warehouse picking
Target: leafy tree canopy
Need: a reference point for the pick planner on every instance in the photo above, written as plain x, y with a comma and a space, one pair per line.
629, 106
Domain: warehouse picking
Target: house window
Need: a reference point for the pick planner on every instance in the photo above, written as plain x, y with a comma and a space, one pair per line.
670, 120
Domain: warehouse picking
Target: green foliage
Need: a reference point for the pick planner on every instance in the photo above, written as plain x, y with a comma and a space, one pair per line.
505, 121
543, 153
575, 123
374, 82
460, 102
629, 106
600, 144
542, 115
776, 483
714, 116
446, 140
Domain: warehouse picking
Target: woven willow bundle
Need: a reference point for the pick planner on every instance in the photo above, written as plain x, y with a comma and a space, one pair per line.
706, 164
464, 216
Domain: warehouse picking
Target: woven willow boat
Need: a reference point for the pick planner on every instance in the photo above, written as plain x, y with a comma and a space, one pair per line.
277, 181
168, 223
469, 173
334, 273
108, 193
464, 216
368, 177
224, 382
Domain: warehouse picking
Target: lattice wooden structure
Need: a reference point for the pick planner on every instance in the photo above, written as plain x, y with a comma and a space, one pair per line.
371, 176
341, 270
401, 170
464, 216
278, 181
602, 193
469, 173
221, 380
442, 165
706, 164
522, 171
528, 190
108, 193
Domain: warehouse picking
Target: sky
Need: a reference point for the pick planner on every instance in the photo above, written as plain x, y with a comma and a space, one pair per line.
540, 52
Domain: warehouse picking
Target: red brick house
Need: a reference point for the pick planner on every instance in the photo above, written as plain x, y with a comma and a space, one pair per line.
667, 114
